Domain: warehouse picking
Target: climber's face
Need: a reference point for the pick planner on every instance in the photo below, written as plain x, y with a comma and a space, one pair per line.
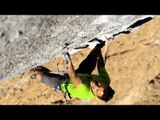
97, 88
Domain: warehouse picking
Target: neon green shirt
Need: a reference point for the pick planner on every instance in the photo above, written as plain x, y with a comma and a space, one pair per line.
83, 91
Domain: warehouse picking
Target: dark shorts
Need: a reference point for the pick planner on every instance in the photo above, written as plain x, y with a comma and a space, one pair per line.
87, 65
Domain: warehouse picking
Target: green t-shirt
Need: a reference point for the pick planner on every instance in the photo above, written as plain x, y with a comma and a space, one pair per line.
84, 91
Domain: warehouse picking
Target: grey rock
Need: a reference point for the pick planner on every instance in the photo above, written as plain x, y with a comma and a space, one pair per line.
29, 40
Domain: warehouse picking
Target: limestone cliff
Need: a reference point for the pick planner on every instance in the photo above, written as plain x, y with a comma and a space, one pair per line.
133, 65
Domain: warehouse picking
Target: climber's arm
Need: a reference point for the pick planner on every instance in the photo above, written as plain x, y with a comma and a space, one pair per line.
71, 71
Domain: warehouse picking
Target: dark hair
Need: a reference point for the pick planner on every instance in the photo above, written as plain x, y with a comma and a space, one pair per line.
107, 94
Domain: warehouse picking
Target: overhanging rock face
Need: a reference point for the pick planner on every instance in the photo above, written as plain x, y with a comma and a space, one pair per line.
26, 41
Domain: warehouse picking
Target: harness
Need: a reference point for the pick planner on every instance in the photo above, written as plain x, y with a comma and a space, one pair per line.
67, 92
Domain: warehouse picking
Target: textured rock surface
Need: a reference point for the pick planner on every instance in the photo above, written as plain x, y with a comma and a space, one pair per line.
26, 41
133, 65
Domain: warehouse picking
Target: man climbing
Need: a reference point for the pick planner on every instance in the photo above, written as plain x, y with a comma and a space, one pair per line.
81, 83
85, 85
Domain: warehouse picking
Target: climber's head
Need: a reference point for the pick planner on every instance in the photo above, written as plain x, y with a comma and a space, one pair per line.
101, 90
